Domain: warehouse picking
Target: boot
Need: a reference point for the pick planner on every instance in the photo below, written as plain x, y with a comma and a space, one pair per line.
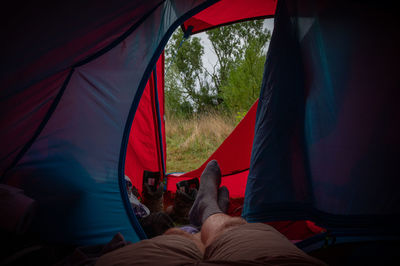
153, 199
182, 203
156, 224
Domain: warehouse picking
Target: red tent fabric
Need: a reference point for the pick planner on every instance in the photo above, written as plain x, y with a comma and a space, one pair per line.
230, 11
233, 157
144, 152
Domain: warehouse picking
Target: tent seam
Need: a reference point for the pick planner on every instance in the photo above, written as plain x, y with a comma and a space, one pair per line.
118, 40
158, 116
41, 126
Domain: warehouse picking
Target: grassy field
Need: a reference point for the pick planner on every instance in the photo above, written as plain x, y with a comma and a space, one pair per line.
191, 142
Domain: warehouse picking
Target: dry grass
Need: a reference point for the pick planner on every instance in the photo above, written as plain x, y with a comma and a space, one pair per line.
191, 142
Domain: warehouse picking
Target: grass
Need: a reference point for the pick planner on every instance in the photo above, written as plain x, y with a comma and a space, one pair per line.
191, 142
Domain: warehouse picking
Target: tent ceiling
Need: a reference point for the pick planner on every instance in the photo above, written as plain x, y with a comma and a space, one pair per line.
230, 11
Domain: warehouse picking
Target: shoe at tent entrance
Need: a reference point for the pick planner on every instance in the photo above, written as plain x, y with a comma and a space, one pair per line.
82, 105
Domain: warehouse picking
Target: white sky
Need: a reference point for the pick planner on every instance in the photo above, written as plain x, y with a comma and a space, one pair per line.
209, 57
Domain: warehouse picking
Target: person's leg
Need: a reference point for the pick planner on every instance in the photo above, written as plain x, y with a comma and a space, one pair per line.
229, 239
242, 243
223, 240
210, 204
195, 238
167, 249
175, 246
206, 202
217, 224
223, 199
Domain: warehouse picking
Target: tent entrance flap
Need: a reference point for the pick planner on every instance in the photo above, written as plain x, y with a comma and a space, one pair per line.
324, 144
146, 146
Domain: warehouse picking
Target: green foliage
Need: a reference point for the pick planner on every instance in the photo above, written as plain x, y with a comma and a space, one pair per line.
210, 98
187, 89
239, 116
238, 46
175, 104
242, 87
232, 85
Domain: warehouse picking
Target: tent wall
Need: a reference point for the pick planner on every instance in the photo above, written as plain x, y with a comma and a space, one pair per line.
326, 142
230, 11
44, 41
74, 168
146, 150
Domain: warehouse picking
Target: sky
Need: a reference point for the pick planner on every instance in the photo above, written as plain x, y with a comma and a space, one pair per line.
209, 57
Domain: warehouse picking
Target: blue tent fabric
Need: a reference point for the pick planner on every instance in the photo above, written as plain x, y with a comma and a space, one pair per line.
277, 173
43, 43
74, 165
331, 154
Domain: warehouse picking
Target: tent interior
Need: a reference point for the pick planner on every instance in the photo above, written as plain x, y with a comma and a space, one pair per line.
82, 105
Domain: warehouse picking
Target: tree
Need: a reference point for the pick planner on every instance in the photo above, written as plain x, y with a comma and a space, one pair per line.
187, 88
242, 86
230, 44
235, 80
175, 102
